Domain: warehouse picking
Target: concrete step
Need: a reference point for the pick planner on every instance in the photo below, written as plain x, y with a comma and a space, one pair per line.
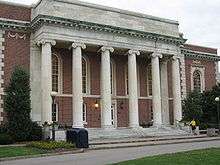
126, 144
136, 140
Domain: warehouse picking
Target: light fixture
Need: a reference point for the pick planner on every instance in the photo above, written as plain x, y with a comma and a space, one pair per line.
217, 99
96, 104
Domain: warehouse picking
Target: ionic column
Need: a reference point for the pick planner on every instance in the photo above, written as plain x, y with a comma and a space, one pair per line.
46, 79
133, 93
77, 100
156, 89
106, 100
164, 93
177, 104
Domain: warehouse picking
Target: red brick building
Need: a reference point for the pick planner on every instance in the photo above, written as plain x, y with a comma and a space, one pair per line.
109, 67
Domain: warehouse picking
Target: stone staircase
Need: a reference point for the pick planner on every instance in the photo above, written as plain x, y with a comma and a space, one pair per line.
134, 133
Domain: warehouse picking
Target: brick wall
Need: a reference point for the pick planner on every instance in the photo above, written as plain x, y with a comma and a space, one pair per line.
15, 12
210, 77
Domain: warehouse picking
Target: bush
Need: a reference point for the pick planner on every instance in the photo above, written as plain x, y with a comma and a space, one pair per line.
51, 145
36, 132
3, 129
5, 139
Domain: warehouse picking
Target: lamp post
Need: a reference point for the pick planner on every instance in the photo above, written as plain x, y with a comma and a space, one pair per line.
53, 96
217, 99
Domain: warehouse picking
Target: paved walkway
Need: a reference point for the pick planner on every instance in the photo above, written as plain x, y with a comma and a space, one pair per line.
101, 157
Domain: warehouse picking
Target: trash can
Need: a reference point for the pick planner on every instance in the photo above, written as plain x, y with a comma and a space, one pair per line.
79, 136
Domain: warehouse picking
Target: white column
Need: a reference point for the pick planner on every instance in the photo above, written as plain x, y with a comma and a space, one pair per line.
46, 79
177, 104
133, 93
164, 93
106, 100
156, 89
77, 100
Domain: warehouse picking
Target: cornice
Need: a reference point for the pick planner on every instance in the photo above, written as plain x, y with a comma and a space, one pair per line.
41, 20
200, 55
14, 24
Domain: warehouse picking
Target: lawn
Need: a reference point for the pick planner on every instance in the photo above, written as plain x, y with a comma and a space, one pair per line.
19, 151
197, 157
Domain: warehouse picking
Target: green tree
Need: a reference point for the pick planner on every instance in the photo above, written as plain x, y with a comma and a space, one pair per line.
209, 106
192, 107
17, 105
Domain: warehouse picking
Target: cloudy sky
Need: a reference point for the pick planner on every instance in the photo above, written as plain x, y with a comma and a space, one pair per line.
199, 19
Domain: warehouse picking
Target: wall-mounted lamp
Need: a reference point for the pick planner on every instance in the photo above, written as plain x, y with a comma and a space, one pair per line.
96, 104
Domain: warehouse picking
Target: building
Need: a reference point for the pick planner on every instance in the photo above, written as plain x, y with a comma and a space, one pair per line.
110, 67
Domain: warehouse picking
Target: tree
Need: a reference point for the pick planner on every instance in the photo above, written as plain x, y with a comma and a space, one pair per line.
17, 105
192, 107
209, 106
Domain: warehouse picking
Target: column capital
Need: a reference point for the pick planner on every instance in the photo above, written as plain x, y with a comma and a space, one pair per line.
132, 51
156, 55
78, 44
106, 48
44, 41
175, 57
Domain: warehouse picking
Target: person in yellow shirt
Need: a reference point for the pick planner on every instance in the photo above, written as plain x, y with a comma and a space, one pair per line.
193, 126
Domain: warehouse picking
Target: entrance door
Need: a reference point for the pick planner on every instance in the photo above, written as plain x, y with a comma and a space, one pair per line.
114, 115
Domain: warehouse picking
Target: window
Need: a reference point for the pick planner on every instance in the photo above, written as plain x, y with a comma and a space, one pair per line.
197, 81
84, 75
149, 80
55, 73
113, 85
126, 81
84, 112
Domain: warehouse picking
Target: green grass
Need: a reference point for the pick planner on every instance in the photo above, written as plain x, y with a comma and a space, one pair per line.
19, 151
197, 157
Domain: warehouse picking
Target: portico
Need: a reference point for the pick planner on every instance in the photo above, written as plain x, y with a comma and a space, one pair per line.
103, 42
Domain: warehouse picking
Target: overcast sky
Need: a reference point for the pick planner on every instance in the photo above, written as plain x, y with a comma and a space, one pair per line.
199, 19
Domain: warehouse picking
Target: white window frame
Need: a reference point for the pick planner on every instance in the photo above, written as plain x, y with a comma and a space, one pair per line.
201, 69
84, 113
113, 81
60, 73
148, 90
87, 75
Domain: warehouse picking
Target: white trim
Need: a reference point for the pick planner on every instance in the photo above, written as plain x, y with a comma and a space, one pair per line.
201, 69
88, 78
183, 76
126, 79
1, 72
84, 118
114, 78
60, 72
217, 72
149, 67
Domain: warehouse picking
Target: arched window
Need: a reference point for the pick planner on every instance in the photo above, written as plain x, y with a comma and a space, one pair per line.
55, 73
197, 81
84, 75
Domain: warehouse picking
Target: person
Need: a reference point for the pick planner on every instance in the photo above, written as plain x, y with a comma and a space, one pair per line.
193, 126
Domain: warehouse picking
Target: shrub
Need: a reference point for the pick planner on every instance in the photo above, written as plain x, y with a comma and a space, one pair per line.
5, 139
36, 132
51, 145
3, 128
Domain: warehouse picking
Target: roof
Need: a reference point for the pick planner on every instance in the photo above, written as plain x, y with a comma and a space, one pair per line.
200, 49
